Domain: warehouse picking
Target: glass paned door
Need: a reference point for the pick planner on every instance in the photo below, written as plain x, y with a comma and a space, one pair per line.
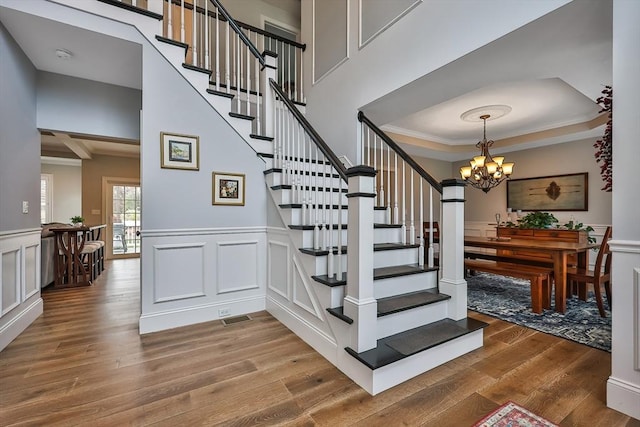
125, 215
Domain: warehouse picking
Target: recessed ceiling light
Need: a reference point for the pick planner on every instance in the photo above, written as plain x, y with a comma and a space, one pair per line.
63, 54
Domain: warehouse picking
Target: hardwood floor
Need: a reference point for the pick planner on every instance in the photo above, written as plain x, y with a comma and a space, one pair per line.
83, 363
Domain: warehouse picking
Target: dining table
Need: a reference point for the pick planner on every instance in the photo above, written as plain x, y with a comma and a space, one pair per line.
558, 251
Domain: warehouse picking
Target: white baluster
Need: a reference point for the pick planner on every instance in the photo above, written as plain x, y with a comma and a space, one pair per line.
380, 176
375, 166
339, 267
325, 220
412, 229
388, 185
257, 77
396, 217
194, 39
331, 265
430, 253
302, 77
295, 75
238, 74
217, 50
206, 35
316, 229
248, 75
404, 205
170, 20
182, 30
227, 62
421, 223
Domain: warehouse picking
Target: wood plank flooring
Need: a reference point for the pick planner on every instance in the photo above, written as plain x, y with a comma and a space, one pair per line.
83, 363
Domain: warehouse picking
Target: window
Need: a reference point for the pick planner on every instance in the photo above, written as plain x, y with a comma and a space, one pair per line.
46, 198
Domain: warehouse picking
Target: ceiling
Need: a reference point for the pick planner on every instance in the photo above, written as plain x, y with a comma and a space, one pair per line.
548, 72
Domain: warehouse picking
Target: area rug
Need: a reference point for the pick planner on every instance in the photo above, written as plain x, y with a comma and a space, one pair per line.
511, 414
509, 299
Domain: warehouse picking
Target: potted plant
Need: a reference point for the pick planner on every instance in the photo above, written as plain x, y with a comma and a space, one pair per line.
77, 220
573, 225
537, 220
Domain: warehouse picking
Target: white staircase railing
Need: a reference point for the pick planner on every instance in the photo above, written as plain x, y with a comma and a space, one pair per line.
404, 188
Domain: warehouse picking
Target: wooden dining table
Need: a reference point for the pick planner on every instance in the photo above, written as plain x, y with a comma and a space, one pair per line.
557, 250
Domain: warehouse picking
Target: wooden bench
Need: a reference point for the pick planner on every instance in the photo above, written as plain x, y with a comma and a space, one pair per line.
540, 278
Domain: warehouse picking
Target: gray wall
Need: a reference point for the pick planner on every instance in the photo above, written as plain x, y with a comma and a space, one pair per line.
19, 138
85, 106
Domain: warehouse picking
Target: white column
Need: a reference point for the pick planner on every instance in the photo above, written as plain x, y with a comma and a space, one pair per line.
452, 248
360, 304
623, 386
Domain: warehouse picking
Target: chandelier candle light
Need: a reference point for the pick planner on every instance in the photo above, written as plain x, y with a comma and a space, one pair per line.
486, 171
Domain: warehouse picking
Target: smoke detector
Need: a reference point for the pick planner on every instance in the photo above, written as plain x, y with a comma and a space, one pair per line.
63, 54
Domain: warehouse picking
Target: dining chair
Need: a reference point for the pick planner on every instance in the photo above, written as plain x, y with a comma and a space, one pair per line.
599, 276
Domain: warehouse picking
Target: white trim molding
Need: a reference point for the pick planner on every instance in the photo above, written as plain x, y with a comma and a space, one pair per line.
392, 21
314, 78
626, 246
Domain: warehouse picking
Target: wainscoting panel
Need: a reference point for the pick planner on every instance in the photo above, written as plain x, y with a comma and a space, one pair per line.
303, 296
20, 302
10, 280
199, 275
237, 265
31, 272
179, 271
278, 265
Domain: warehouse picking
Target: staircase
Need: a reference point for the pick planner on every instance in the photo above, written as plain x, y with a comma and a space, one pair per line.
361, 294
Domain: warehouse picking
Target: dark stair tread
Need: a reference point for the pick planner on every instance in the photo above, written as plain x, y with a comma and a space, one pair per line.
219, 93
344, 226
378, 274
173, 42
131, 8
415, 340
380, 208
339, 313
241, 116
313, 173
263, 138
196, 68
299, 206
235, 88
307, 188
398, 303
376, 247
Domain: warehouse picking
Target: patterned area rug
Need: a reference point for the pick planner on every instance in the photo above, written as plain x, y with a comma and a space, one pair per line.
509, 299
511, 414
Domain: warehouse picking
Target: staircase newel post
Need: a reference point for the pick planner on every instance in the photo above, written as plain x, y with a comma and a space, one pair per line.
452, 281
360, 303
270, 72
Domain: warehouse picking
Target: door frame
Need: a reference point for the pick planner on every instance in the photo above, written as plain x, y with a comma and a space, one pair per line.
106, 182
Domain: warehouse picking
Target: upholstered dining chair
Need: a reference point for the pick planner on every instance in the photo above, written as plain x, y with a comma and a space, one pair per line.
599, 276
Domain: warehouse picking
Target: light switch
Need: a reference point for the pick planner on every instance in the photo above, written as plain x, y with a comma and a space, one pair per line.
25, 207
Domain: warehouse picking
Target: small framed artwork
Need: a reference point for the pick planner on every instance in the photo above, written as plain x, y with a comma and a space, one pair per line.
179, 151
549, 193
228, 189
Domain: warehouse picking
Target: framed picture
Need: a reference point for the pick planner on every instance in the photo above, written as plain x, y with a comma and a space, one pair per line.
179, 151
549, 193
228, 189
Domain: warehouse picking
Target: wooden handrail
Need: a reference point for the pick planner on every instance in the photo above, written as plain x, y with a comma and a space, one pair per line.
238, 31
403, 154
315, 137
241, 24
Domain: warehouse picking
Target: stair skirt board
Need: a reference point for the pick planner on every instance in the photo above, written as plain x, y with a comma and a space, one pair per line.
381, 379
319, 340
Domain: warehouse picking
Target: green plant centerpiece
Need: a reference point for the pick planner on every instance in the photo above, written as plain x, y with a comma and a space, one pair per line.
77, 220
537, 220
573, 225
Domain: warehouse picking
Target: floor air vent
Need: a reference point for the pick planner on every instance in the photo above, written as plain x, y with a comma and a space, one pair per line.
237, 319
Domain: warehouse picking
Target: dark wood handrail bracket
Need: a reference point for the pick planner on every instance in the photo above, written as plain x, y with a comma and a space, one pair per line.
317, 139
424, 174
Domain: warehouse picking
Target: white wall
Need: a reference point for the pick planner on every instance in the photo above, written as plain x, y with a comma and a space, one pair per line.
67, 190
20, 302
559, 159
422, 41
252, 12
87, 107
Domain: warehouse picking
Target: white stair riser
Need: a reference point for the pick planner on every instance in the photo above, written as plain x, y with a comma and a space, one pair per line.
404, 284
395, 257
286, 196
276, 178
329, 296
317, 265
403, 321
302, 167
293, 216
387, 235
304, 238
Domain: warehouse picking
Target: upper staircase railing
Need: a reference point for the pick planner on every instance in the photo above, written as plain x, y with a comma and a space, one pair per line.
402, 186
315, 176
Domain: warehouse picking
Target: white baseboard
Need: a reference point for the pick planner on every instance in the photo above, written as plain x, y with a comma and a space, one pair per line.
161, 321
12, 329
623, 397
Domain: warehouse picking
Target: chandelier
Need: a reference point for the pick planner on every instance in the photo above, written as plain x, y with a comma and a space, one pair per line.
486, 171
